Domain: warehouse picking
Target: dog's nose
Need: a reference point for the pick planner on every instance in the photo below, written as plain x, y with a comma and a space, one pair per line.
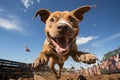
62, 28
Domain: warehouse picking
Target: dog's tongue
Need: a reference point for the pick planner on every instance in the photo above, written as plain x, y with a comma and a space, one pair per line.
61, 44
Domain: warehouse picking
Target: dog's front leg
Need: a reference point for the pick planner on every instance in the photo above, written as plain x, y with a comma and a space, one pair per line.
41, 61
84, 57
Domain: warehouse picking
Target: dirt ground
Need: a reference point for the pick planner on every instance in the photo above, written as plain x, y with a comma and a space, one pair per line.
105, 77
115, 76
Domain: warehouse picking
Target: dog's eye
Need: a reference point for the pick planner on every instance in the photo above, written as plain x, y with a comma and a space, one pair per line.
72, 20
52, 20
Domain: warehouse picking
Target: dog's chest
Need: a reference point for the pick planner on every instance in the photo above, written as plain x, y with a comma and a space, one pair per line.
60, 59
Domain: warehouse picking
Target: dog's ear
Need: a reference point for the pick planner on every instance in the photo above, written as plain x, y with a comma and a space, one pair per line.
79, 12
43, 13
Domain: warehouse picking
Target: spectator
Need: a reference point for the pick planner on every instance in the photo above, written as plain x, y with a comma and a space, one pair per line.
112, 65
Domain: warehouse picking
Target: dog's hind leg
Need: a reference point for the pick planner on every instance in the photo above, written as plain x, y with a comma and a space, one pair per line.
52, 64
59, 70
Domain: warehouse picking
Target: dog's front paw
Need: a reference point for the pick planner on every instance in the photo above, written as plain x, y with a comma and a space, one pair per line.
88, 58
41, 61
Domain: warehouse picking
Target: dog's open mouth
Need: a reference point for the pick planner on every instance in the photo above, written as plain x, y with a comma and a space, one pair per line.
62, 44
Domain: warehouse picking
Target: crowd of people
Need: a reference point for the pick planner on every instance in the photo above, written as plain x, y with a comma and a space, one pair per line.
106, 66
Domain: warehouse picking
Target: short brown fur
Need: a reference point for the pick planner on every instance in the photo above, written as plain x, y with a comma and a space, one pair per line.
61, 31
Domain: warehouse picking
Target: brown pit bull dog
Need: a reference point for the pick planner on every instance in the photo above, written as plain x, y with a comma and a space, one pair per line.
61, 31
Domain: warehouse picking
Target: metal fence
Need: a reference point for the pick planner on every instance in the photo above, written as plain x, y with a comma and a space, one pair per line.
13, 69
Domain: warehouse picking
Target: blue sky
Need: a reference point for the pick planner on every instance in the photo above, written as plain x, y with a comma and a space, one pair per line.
99, 30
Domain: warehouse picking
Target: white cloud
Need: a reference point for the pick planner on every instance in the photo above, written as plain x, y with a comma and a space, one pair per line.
38, 1
1, 10
28, 3
11, 22
99, 43
84, 40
